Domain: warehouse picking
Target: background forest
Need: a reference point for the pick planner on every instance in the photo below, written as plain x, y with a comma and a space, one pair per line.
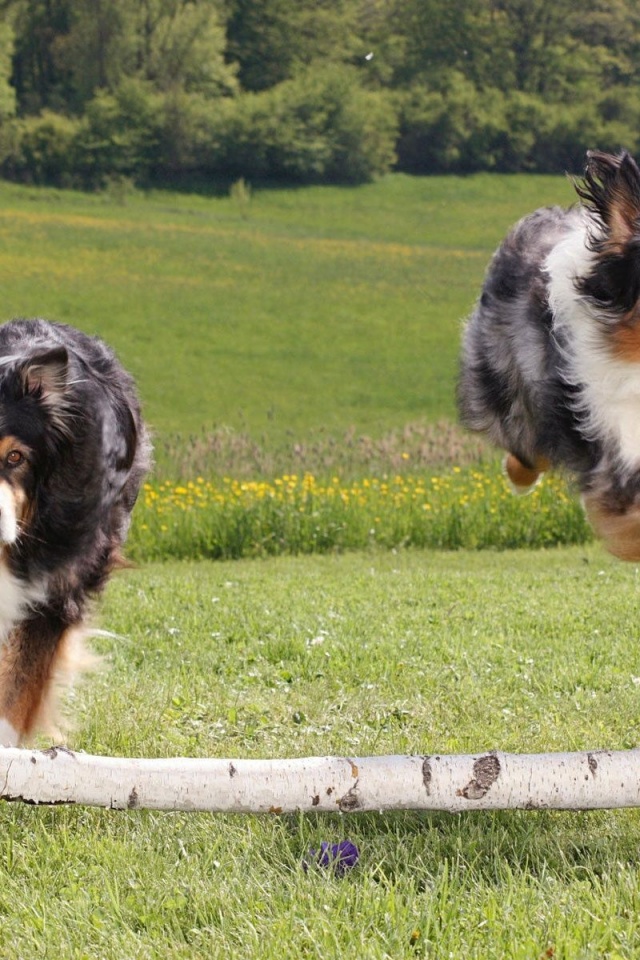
170, 91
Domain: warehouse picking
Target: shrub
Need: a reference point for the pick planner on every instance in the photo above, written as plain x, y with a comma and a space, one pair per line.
41, 149
182, 134
240, 132
569, 131
320, 125
458, 128
334, 129
120, 135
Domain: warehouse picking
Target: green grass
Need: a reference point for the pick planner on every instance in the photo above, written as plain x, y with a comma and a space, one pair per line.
357, 654
317, 328
315, 309
470, 508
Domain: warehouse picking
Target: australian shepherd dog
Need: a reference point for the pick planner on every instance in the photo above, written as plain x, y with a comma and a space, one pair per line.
73, 451
551, 355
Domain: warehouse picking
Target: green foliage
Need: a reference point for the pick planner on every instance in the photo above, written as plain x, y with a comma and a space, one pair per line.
271, 40
461, 128
7, 90
181, 45
119, 135
556, 51
68, 51
94, 50
455, 128
332, 91
43, 149
319, 126
331, 129
42, 77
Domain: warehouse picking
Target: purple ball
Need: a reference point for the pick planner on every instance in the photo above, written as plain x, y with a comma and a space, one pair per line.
341, 856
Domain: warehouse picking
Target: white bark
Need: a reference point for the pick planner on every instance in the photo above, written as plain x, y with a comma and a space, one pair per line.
493, 781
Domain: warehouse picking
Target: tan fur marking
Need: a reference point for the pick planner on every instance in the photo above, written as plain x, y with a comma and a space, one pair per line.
626, 338
9, 443
522, 476
30, 687
623, 214
619, 532
23, 508
620, 230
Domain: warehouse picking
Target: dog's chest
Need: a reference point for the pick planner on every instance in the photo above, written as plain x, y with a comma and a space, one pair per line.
608, 402
609, 392
16, 597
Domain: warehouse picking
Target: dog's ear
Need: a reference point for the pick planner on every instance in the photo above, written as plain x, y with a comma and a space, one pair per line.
45, 377
45, 374
611, 190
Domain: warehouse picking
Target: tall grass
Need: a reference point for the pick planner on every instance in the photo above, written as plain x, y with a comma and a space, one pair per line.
295, 514
417, 445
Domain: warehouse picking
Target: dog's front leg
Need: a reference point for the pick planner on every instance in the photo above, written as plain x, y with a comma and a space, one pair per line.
30, 661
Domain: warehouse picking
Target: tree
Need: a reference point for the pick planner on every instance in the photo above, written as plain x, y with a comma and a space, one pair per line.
270, 40
181, 44
40, 78
550, 48
96, 48
7, 91
172, 44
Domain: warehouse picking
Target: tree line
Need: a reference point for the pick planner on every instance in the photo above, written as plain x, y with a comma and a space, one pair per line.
160, 91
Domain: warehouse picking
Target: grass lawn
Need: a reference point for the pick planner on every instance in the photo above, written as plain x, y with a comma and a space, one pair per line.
301, 316
313, 309
372, 652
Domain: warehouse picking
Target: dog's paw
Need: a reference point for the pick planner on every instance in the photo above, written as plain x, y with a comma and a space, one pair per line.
521, 479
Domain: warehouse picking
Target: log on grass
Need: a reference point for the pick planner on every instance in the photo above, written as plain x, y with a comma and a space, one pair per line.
491, 781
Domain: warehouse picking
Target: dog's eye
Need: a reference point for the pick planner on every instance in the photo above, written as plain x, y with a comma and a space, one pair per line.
14, 458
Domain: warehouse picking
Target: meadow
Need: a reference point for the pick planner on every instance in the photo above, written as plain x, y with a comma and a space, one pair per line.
411, 652
276, 333
299, 314
296, 356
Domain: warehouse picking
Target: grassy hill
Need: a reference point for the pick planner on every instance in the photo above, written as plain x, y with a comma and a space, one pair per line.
295, 310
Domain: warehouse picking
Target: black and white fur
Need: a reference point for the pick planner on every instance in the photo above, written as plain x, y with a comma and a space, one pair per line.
550, 366
73, 452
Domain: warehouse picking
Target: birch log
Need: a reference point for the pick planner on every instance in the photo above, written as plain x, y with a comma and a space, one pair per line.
491, 781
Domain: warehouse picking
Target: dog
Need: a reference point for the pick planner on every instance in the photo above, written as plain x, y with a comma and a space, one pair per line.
73, 452
550, 366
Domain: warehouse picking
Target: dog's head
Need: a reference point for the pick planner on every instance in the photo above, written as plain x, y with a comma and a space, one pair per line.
34, 422
610, 192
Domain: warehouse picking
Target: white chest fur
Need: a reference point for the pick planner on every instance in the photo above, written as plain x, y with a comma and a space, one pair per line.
15, 599
609, 388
